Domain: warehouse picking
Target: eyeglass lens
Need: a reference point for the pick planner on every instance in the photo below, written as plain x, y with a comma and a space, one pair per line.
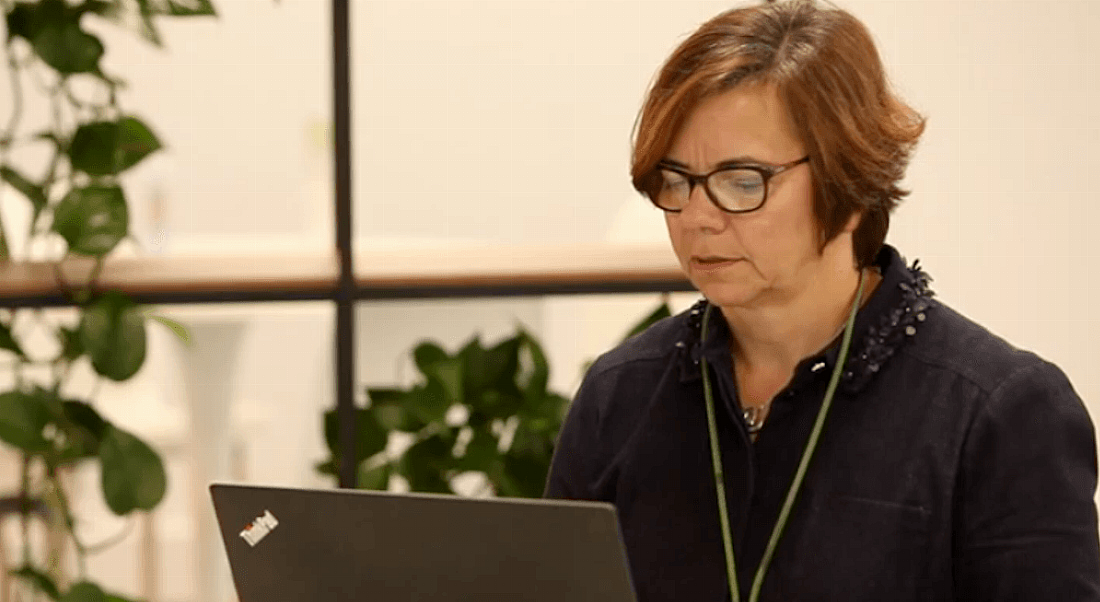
733, 189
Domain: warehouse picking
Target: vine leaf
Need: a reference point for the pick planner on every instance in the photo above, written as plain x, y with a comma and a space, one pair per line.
39, 579
123, 14
103, 148
370, 436
68, 48
177, 329
112, 331
133, 476
84, 430
181, 8
84, 592
23, 416
71, 345
92, 220
7, 341
33, 192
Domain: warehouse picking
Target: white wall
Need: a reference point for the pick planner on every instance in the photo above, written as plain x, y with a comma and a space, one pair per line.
509, 122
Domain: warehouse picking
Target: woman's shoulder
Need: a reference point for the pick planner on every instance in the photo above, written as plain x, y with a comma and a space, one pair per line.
956, 343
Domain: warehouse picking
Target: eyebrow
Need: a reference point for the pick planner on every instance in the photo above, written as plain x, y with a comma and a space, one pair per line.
732, 162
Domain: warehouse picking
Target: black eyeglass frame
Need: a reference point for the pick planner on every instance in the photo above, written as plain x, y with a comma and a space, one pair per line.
767, 172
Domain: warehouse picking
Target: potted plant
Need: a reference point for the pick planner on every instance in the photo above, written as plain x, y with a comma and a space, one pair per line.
482, 411
71, 174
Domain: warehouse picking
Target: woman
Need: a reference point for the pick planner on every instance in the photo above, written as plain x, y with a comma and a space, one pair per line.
872, 443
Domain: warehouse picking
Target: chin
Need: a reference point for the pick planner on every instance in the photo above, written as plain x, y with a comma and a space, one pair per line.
727, 294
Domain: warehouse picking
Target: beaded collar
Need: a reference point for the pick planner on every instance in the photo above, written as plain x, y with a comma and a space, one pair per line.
892, 316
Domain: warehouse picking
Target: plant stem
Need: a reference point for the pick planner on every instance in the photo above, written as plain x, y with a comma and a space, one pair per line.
24, 510
17, 101
56, 525
7, 138
70, 525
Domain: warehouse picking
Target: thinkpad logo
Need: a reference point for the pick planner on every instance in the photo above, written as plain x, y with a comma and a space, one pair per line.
255, 532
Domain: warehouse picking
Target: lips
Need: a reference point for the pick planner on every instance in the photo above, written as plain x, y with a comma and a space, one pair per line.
712, 262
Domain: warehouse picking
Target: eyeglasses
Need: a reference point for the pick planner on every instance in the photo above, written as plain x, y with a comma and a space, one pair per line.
732, 188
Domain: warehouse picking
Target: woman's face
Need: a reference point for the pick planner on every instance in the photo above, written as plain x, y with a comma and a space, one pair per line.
754, 259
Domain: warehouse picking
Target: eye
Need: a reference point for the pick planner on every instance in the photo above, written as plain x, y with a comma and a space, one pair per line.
748, 184
673, 181
740, 181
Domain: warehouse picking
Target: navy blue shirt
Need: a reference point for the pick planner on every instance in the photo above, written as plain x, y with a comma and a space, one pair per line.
952, 466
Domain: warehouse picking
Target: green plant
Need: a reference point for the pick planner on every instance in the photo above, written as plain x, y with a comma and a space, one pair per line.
70, 171
484, 410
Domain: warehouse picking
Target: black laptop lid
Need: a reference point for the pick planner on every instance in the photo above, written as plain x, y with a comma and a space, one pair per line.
294, 545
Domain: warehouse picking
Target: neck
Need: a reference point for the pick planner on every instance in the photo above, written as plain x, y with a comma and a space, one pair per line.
776, 337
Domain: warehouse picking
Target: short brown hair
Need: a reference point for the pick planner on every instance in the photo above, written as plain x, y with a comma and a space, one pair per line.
823, 62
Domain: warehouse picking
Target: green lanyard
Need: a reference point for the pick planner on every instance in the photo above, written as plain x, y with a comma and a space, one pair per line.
796, 484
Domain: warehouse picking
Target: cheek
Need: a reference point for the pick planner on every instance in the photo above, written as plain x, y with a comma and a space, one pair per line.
676, 236
673, 229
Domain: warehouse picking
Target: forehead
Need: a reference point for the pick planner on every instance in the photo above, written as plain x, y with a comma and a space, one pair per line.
746, 123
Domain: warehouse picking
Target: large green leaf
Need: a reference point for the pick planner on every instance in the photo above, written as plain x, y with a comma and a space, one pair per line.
112, 331
39, 579
448, 375
429, 402
474, 368
480, 453
84, 592
22, 21
8, 342
531, 443
135, 142
110, 147
492, 369
523, 476
133, 476
428, 354
546, 414
28, 19
427, 463
370, 436
71, 345
92, 220
377, 478
534, 369
391, 408
23, 416
84, 430
503, 402
31, 191
68, 48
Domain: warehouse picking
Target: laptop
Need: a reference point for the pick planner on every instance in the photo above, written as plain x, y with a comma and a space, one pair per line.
342, 545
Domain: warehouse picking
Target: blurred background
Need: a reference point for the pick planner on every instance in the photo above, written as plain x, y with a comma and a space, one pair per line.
507, 122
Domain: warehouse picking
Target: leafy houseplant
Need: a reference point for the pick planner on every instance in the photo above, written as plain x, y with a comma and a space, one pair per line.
78, 204
481, 410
